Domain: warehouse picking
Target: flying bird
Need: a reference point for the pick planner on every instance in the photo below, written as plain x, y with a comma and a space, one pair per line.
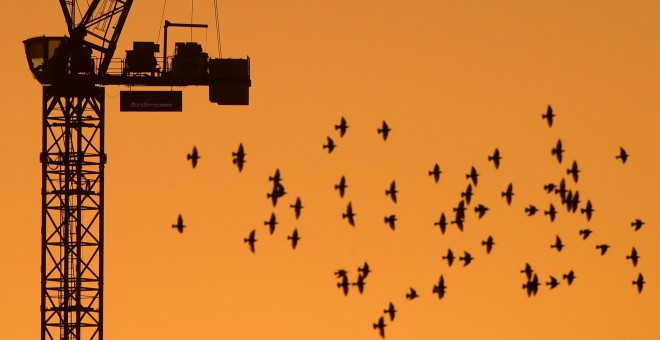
277, 192
365, 270
585, 233
633, 257
558, 151
557, 245
573, 170
480, 210
528, 271
450, 257
360, 283
467, 194
390, 220
603, 248
330, 145
552, 283
548, 116
341, 186
588, 210
390, 311
193, 157
435, 172
531, 210
569, 277
344, 284
549, 188
637, 224
271, 223
341, 127
532, 286
294, 238
551, 212
440, 288
639, 283
412, 294
488, 243
623, 156
179, 224
349, 215
392, 191
276, 178
442, 223
561, 190
380, 326
384, 130
466, 258
250, 240
341, 273
473, 175
495, 158
297, 207
508, 194
239, 157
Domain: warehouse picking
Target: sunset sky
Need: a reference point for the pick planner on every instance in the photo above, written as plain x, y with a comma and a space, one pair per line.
454, 80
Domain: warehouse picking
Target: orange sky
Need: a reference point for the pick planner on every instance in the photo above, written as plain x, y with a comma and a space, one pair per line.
454, 80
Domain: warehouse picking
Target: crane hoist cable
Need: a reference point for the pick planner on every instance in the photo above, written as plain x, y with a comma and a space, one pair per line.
162, 17
217, 28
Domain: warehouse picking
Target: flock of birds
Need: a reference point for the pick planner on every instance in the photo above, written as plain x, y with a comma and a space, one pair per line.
568, 197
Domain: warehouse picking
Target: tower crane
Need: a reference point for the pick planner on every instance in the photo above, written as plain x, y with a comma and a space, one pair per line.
73, 70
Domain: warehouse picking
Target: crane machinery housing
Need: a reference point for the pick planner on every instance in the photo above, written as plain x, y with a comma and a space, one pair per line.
73, 71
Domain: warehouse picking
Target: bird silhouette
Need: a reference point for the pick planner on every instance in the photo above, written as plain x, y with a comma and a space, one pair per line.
341, 186
558, 151
573, 170
330, 145
603, 248
239, 157
294, 238
623, 156
588, 210
442, 223
557, 245
194, 157
277, 192
585, 233
179, 224
549, 188
561, 190
344, 284
271, 223
297, 208
380, 326
360, 283
276, 178
480, 210
466, 258
495, 158
440, 288
569, 277
531, 210
339, 273
633, 257
450, 257
250, 240
639, 283
467, 194
551, 212
390, 311
548, 116
384, 130
473, 175
532, 286
390, 220
392, 191
342, 127
435, 172
349, 215
637, 224
528, 271
552, 283
365, 270
412, 294
508, 194
488, 243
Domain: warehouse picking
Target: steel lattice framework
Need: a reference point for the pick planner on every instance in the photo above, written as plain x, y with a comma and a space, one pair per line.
73, 161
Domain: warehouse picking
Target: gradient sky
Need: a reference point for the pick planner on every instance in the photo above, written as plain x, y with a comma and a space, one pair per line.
454, 80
